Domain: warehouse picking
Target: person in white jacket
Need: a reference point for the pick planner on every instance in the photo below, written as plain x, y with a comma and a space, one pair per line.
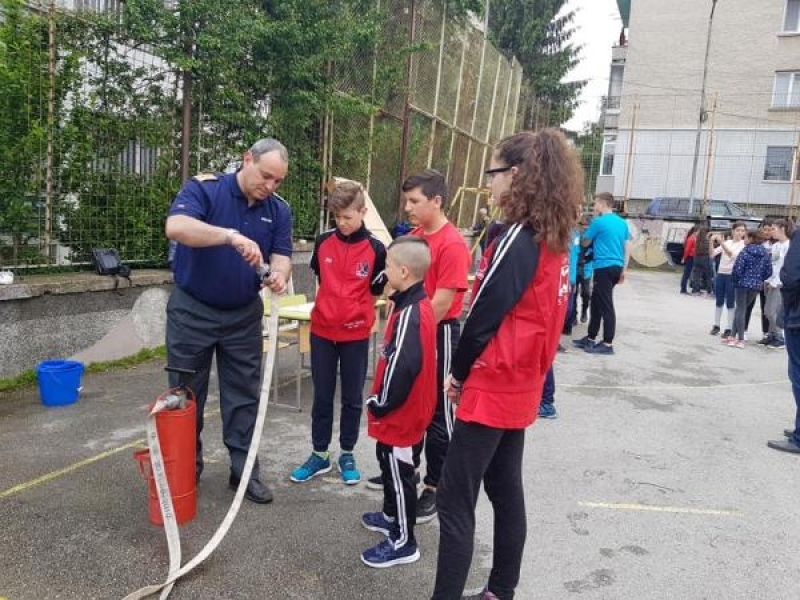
781, 231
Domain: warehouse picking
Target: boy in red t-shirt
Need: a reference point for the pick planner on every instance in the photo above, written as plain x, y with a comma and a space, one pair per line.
348, 262
402, 402
425, 196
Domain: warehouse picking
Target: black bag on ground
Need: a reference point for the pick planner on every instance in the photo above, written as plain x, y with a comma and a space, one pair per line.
107, 262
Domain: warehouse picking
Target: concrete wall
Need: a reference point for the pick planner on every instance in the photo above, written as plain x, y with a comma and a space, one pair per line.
80, 316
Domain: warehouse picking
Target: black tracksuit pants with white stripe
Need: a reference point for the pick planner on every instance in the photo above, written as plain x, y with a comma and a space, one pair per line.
439, 432
399, 491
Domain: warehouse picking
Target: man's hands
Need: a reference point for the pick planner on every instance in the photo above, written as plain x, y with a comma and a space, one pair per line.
249, 249
276, 282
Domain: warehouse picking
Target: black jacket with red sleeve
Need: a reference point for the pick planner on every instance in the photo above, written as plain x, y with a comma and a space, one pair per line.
350, 273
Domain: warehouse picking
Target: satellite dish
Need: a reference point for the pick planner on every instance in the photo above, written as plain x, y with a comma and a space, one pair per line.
648, 250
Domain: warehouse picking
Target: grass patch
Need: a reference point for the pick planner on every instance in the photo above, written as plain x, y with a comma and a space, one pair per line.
28, 378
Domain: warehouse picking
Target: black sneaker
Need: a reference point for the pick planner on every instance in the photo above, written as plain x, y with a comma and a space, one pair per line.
727, 334
376, 483
584, 342
776, 344
765, 340
426, 505
714, 330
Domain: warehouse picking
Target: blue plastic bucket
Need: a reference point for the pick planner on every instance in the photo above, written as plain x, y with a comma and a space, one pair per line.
59, 381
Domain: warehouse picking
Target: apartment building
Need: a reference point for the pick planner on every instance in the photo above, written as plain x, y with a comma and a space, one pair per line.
750, 123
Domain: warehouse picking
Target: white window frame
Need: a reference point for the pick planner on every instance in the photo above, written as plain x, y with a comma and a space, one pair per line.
792, 166
787, 26
608, 151
793, 90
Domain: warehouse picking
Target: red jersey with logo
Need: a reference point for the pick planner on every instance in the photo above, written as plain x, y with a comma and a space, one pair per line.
450, 261
349, 270
511, 333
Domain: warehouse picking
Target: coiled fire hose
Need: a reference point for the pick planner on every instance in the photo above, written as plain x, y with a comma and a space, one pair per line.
162, 487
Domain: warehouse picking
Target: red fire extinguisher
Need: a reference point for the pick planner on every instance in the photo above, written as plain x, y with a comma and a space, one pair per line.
175, 424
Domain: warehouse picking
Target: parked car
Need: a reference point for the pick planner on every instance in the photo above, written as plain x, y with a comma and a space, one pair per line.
721, 214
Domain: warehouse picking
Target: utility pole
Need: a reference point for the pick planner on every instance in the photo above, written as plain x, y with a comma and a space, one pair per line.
702, 112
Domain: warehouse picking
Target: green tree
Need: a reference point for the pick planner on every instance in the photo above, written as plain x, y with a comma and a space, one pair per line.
539, 35
24, 120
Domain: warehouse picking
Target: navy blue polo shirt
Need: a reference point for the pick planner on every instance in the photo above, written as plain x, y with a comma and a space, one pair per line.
218, 275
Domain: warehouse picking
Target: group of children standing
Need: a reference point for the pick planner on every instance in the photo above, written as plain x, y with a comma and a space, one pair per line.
494, 373
749, 267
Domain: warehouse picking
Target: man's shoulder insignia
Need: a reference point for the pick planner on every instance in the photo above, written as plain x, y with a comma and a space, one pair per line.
202, 177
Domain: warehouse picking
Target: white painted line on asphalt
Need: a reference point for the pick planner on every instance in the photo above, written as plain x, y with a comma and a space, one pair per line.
714, 386
666, 509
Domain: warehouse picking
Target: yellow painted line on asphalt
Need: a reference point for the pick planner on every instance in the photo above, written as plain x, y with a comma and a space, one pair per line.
141, 443
715, 386
665, 509
69, 469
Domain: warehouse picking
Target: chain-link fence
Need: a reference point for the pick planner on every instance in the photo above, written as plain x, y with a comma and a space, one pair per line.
745, 151
99, 123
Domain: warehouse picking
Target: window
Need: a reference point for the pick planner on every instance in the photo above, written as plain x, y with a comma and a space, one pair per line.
778, 164
791, 22
787, 89
609, 145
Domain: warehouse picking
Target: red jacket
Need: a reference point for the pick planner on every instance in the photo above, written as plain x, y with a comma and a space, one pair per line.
512, 330
404, 389
350, 273
689, 246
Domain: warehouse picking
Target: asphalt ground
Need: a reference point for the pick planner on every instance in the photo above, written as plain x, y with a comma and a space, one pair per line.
654, 482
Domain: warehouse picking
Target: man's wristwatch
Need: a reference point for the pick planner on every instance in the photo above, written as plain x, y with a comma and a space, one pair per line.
229, 236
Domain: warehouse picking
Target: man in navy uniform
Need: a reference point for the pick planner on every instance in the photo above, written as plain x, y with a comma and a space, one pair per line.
225, 227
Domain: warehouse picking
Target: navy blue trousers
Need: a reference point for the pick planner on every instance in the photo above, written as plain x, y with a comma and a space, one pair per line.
195, 333
350, 359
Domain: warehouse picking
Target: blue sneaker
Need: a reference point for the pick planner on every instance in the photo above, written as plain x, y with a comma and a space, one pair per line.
315, 465
386, 555
547, 411
378, 521
347, 467
583, 343
599, 348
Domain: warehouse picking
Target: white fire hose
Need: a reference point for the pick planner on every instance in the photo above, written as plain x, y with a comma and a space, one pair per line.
162, 487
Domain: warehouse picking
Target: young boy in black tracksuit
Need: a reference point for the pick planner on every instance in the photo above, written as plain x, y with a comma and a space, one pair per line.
402, 402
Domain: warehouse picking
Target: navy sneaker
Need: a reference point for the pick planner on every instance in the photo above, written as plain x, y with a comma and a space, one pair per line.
584, 342
377, 521
599, 348
547, 411
315, 465
776, 344
386, 555
347, 467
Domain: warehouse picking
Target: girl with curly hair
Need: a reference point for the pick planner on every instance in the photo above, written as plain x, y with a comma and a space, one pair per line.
508, 343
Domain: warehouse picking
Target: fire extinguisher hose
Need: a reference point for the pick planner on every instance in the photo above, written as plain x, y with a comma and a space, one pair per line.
162, 487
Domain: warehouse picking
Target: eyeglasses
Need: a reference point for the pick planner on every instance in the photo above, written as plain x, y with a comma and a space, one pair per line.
497, 170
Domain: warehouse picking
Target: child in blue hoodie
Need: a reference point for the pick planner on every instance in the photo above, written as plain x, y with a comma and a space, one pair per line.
752, 268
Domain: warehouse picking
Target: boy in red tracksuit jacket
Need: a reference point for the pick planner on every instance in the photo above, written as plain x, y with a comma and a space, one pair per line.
348, 262
402, 402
